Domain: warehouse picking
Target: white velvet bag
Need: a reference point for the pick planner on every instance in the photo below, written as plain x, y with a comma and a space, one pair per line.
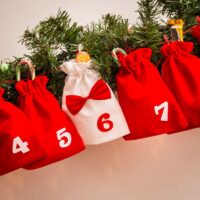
91, 104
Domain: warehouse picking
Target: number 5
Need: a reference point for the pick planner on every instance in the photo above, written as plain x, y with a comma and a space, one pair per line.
61, 134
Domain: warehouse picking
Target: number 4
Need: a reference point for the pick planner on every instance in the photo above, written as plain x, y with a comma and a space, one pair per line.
165, 107
19, 146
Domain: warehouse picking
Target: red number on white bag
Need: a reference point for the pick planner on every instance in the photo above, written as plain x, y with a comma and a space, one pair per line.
165, 107
19, 146
103, 123
61, 134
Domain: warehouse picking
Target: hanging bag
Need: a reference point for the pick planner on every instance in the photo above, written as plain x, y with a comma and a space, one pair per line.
91, 104
18, 144
54, 129
149, 107
181, 73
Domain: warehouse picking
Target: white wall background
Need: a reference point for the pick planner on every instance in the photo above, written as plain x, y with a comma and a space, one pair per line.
158, 168
17, 15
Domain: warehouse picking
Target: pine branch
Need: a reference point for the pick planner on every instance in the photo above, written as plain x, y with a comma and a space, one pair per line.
100, 38
50, 41
181, 9
147, 31
49, 44
186, 10
55, 40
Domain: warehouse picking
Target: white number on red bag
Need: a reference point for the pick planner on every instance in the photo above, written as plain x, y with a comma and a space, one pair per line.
165, 107
64, 137
19, 146
104, 124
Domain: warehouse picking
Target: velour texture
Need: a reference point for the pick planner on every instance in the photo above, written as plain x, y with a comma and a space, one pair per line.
54, 129
91, 104
181, 73
148, 105
15, 131
196, 32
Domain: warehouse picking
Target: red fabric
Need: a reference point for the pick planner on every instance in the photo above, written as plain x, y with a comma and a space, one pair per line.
140, 88
99, 91
181, 72
15, 124
44, 112
196, 32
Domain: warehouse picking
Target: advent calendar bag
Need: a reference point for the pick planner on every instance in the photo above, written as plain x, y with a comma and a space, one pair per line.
91, 104
195, 31
18, 144
54, 129
181, 73
149, 107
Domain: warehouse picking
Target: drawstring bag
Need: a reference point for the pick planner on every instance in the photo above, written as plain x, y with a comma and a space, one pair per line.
149, 107
181, 73
195, 30
18, 144
54, 129
91, 104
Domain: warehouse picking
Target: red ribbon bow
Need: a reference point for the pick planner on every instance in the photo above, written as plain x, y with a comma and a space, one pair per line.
99, 91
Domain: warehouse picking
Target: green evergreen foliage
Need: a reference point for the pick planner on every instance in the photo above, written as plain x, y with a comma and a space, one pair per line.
186, 10
100, 38
50, 41
49, 44
147, 31
181, 9
56, 39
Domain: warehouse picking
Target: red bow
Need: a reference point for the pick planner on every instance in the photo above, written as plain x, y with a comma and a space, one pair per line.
99, 91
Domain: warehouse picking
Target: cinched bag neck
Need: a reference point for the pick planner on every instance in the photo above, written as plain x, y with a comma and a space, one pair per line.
31, 86
73, 68
132, 61
176, 48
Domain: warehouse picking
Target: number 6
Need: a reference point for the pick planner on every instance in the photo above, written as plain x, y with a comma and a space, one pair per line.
61, 134
104, 124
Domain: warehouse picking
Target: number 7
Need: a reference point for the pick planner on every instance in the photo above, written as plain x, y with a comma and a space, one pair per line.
165, 107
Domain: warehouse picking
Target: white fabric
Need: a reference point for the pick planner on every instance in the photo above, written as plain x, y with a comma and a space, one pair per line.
81, 78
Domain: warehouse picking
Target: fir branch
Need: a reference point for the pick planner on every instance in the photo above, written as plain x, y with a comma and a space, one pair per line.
100, 38
181, 9
50, 41
147, 30
55, 40
49, 44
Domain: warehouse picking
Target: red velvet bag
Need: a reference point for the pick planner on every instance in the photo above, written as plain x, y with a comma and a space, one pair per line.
55, 130
18, 144
181, 73
149, 107
195, 31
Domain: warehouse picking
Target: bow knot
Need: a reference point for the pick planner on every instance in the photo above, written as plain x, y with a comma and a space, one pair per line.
99, 91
